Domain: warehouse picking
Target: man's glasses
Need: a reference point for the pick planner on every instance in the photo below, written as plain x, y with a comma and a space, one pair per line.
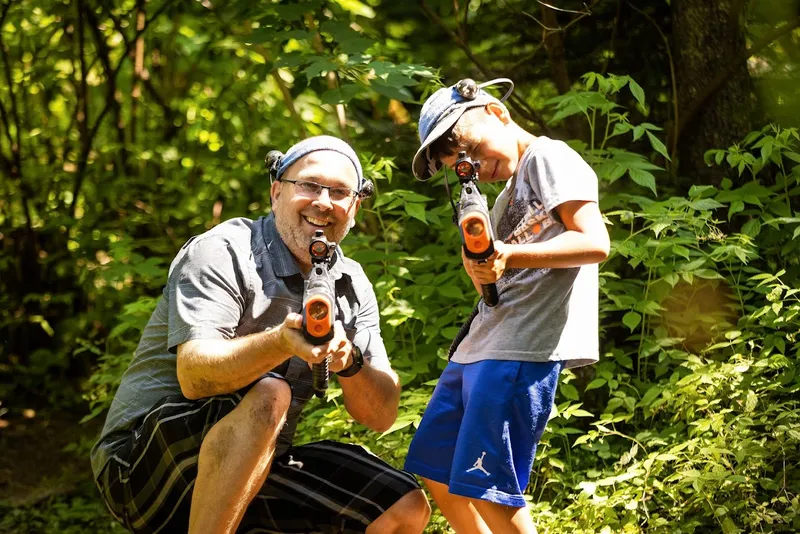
340, 195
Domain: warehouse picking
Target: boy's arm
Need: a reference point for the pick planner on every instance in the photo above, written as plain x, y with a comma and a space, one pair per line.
584, 242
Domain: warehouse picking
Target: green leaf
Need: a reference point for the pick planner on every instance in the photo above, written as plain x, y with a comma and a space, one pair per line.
705, 204
736, 207
659, 147
650, 396
357, 8
638, 92
596, 383
318, 66
643, 178
708, 274
752, 228
342, 95
397, 93
450, 332
699, 191
569, 391
632, 320
451, 292
290, 12
416, 210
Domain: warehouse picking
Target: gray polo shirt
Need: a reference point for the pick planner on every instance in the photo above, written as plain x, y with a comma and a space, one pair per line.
543, 314
236, 279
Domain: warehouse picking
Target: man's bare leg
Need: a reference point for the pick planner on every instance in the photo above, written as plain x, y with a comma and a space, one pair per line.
235, 458
409, 515
459, 511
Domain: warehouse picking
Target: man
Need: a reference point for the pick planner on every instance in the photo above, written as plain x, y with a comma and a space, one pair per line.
199, 435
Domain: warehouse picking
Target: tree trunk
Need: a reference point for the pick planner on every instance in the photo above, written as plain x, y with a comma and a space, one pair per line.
554, 44
709, 42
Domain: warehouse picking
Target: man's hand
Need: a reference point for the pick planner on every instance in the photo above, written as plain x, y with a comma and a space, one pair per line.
490, 271
338, 348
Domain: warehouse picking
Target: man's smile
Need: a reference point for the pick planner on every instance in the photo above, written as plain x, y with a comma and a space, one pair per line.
313, 221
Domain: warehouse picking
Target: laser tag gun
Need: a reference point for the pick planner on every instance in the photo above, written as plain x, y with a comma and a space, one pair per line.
474, 223
319, 306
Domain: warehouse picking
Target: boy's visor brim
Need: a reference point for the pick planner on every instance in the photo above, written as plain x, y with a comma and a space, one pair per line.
420, 165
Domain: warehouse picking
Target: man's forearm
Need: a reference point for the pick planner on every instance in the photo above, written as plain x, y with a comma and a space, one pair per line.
208, 367
372, 396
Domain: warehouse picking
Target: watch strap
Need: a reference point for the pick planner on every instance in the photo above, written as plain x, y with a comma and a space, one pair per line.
355, 367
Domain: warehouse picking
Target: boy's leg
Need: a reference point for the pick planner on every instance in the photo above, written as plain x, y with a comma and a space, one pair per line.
459, 511
503, 519
506, 407
235, 457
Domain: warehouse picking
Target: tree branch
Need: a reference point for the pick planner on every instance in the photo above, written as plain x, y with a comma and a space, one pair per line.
719, 80
82, 115
104, 55
333, 80
519, 105
98, 121
613, 39
673, 135
15, 165
15, 145
554, 8
575, 20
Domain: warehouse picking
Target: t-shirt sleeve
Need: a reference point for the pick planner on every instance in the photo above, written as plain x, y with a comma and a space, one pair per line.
558, 174
368, 330
207, 292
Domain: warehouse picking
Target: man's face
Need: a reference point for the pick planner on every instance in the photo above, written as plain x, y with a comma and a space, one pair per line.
488, 139
299, 212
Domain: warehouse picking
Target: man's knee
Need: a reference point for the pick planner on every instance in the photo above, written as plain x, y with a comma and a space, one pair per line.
267, 403
409, 514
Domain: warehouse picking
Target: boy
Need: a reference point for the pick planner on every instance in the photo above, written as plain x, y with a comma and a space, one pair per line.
475, 446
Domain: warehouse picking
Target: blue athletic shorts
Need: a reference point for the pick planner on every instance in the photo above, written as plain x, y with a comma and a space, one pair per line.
479, 432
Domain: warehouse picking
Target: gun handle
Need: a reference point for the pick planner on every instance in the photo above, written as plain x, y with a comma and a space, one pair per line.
320, 376
489, 293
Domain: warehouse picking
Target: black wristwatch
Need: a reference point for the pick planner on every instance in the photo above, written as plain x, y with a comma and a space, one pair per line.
355, 367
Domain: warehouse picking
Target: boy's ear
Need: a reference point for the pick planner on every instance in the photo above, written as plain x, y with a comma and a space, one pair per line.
499, 111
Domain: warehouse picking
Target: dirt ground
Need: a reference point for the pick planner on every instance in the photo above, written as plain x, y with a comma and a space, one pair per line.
45, 478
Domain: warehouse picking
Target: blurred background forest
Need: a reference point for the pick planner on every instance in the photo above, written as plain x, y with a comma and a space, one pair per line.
127, 126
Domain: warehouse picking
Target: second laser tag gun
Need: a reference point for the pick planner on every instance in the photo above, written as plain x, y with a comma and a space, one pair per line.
474, 223
319, 305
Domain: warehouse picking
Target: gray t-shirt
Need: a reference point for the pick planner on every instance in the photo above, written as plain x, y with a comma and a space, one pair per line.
543, 314
236, 279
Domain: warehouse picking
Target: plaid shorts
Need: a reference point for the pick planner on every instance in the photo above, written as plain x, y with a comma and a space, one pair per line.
323, 487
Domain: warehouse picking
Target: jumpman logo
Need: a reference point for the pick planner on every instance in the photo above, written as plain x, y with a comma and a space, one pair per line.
479, 465
292, 462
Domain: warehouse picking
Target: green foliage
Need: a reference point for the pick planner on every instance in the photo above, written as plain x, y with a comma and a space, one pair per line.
74, 515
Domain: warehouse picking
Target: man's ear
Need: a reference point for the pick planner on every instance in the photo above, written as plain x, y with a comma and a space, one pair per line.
498, 110
275, 191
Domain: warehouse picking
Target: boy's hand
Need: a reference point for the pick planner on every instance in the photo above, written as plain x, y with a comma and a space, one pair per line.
492, 267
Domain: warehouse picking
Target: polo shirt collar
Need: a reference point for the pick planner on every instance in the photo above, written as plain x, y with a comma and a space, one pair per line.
283, 263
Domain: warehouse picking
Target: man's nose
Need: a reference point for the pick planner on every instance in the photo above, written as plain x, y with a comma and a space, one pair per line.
323, 200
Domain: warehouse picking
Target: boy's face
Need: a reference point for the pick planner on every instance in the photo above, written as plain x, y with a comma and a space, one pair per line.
486, 134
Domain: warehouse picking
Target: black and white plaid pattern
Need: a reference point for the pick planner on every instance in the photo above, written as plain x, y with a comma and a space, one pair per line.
323, 487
